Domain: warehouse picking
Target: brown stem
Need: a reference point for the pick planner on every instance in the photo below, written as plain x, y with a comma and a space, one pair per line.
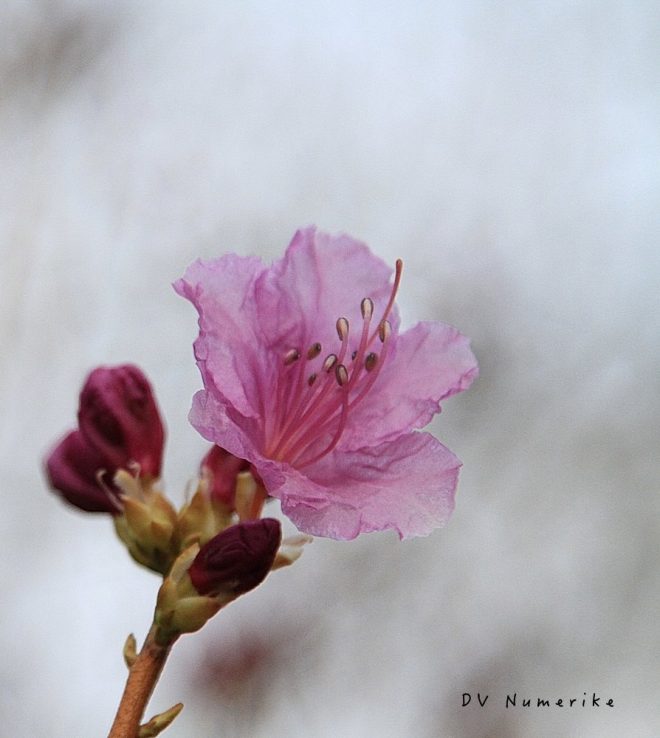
140, 684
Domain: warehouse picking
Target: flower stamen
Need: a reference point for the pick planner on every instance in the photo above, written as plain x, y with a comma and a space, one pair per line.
336, 437
371, 361
313, 407
341, 374
330, 361
313, 351
291, 357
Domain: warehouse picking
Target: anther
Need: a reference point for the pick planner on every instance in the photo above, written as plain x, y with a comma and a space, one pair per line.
311, 379
371, 361
342, 328
341, 374
367, 308
353, 355
330, 361
314, 350
384, 330
291, 356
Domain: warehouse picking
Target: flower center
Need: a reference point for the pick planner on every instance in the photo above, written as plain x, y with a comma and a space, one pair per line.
314, 397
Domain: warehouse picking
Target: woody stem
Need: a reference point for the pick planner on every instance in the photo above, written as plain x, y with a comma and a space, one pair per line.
140, 684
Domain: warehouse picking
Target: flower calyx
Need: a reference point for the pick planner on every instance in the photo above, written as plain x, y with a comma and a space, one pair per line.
147, 524
220, 492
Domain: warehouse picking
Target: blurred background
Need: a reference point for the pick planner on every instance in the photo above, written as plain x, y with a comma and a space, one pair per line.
509, 153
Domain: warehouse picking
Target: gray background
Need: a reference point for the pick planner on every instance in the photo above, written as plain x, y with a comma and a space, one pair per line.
509, 153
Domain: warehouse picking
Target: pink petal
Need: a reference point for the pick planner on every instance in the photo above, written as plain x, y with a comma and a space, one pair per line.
72, 468
407, 485
119, 416
429, 363
320, 278
218, 422
229, 349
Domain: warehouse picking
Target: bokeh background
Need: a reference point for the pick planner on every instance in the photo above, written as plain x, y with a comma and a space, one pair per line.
509, 152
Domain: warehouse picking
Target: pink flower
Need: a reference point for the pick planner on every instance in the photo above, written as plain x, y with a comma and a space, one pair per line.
119, 428
308, 378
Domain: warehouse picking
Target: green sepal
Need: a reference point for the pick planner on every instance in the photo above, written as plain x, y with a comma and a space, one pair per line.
202, 518
147, 524
179, 607
159, 722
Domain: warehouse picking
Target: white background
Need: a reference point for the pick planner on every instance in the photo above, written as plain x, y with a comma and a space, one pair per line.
509, 153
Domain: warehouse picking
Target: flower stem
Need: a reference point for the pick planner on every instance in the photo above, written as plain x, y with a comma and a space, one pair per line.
140, 684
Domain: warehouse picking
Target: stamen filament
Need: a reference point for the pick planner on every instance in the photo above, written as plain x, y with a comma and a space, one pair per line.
294, 389
372, 374
297, 423
322, 425
336, 437
367, 308
312, 407
390, 303
292, 405
330, 361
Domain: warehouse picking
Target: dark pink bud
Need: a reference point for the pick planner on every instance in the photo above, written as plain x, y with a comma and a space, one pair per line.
74, 467
223, 469
119, 416
238, 559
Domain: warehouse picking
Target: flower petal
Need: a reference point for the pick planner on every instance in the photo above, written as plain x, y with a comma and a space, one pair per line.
72, 468
429, 363
218, 422
119, 416
407, 485
229, 349
319, 279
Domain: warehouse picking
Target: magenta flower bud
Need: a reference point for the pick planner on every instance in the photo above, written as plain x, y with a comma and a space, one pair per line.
223, 469
238, 559
119, 416
74, 467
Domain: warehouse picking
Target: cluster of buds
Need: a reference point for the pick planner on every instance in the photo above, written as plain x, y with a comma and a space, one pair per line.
215, 548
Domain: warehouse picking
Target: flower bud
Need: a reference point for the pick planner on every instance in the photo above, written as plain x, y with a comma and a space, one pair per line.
179, 607
82, 476
236, 560
119, 416
222, 468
